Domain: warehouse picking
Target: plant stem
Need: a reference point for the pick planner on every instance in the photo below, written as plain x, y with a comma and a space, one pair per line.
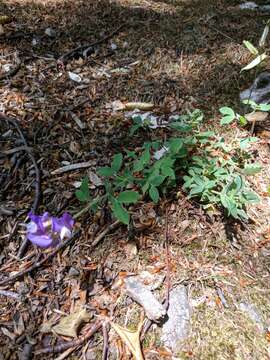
87, 207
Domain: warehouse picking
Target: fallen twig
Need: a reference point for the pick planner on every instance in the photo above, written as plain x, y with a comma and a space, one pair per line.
109, 228
105, 342
38, 264
168, 275
14, 150
81, 48
71, 167
10, 294
14, 122
73, 343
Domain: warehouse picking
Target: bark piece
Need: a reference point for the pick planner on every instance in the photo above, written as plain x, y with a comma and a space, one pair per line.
175, 330
143, 296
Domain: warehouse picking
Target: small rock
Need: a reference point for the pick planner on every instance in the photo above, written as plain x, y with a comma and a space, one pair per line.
259, 91
74, 77
34, 42
131, 249
249, 5
152, 281
143, 296
252, 312
113, 46
73, 272
7, 67
50, 32
175, 330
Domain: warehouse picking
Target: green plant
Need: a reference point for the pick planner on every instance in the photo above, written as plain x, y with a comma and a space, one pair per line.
259, 53
255, 106
229, 115
197, 159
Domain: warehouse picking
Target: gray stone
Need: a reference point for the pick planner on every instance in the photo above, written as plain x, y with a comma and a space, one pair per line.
143, 296
259, 91
253, 314
176, 329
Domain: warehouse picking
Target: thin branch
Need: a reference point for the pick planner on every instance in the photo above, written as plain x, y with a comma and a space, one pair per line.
105, 341
14, 150
72, 167
38, 264
109, 228
10, 294
73, 343
168, 275
73, 52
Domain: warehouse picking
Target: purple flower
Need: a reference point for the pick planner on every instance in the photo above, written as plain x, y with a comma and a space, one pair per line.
47, 231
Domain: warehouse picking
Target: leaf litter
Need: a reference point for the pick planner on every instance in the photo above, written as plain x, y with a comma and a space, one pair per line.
184, 61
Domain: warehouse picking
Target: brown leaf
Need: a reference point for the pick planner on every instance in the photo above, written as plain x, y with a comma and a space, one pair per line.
258, 116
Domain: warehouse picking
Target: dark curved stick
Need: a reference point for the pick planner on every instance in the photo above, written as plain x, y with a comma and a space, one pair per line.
27, 149
38, 264
73, 343
72, 52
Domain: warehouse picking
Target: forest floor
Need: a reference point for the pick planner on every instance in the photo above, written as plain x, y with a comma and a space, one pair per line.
178, 55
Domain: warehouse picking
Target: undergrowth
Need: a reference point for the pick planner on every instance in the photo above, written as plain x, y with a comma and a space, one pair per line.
200, 161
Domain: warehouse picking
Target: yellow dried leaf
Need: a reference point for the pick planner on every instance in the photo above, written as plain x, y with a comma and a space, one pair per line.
4, 19
131, 339
69, 325
139, 105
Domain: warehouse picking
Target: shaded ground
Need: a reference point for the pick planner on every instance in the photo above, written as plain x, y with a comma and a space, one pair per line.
179, 55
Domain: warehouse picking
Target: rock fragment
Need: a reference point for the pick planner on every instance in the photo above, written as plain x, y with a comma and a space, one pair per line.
176, 329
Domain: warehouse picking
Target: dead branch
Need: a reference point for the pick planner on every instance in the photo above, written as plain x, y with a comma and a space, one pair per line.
10, 294
73, 343
81, 48
109, 228
105, 341
168, 275
38, 264
72, 167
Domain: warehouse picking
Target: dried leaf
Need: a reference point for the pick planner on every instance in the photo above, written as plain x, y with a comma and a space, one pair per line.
69, 325
258, 116
115, 105
8, 333
95, 179
255, 62
131, 339
4, 19
139, 105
